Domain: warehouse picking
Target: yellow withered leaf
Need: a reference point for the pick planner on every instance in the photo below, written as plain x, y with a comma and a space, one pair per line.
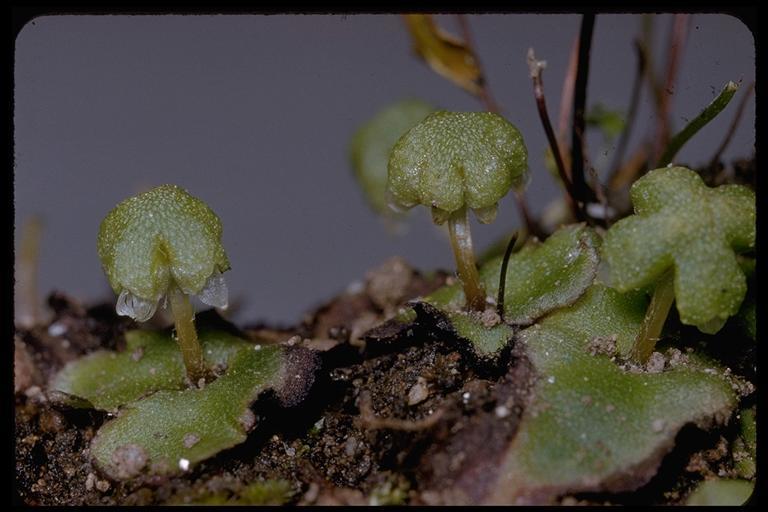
445, 54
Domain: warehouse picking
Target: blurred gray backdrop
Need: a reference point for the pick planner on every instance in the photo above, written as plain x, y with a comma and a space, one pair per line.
253, 114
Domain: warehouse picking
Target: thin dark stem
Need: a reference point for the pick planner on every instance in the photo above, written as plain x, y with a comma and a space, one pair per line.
503, 276
634, 101
676, 42
582, 190
536, 68
734, 124
485, 93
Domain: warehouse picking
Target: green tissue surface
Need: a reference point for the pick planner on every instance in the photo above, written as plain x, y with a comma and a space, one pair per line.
681, 223
171, 428
721, 492
540, 277
745, 445
372, 143
161, 235
590, 425
455, 159
150, 362
486, 340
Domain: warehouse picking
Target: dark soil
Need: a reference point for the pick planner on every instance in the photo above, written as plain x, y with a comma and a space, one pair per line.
401, 416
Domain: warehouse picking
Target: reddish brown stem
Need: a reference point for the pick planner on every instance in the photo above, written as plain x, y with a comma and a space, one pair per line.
676, 43
536, 68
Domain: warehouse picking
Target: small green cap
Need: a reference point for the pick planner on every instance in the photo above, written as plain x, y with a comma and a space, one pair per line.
158, 238
682, 224
453, 160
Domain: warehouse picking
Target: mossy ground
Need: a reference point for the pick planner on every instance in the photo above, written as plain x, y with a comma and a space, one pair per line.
393, 421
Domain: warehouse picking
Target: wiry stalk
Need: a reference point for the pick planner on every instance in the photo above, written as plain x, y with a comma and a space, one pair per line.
461, 243
536, 67
186, 335
582, 190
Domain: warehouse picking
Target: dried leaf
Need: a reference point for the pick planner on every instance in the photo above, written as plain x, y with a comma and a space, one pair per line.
445, 54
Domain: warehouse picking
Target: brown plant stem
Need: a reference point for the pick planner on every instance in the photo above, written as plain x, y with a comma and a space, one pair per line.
461, 243
655, 316
536, 68
676, 43
186, 335
581, 189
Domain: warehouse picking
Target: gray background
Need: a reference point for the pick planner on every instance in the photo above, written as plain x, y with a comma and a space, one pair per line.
253, 114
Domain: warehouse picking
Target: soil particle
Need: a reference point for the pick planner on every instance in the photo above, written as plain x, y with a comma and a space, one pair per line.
128, 461
462, 464
340, 314
298, 375
418, 392
52, 421
490, 318
247, 420
413, 420
677, 358
602, 345
191, 440
25, 372
90, 481
655, 363
388, 284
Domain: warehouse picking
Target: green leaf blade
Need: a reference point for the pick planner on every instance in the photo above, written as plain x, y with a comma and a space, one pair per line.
173, 430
